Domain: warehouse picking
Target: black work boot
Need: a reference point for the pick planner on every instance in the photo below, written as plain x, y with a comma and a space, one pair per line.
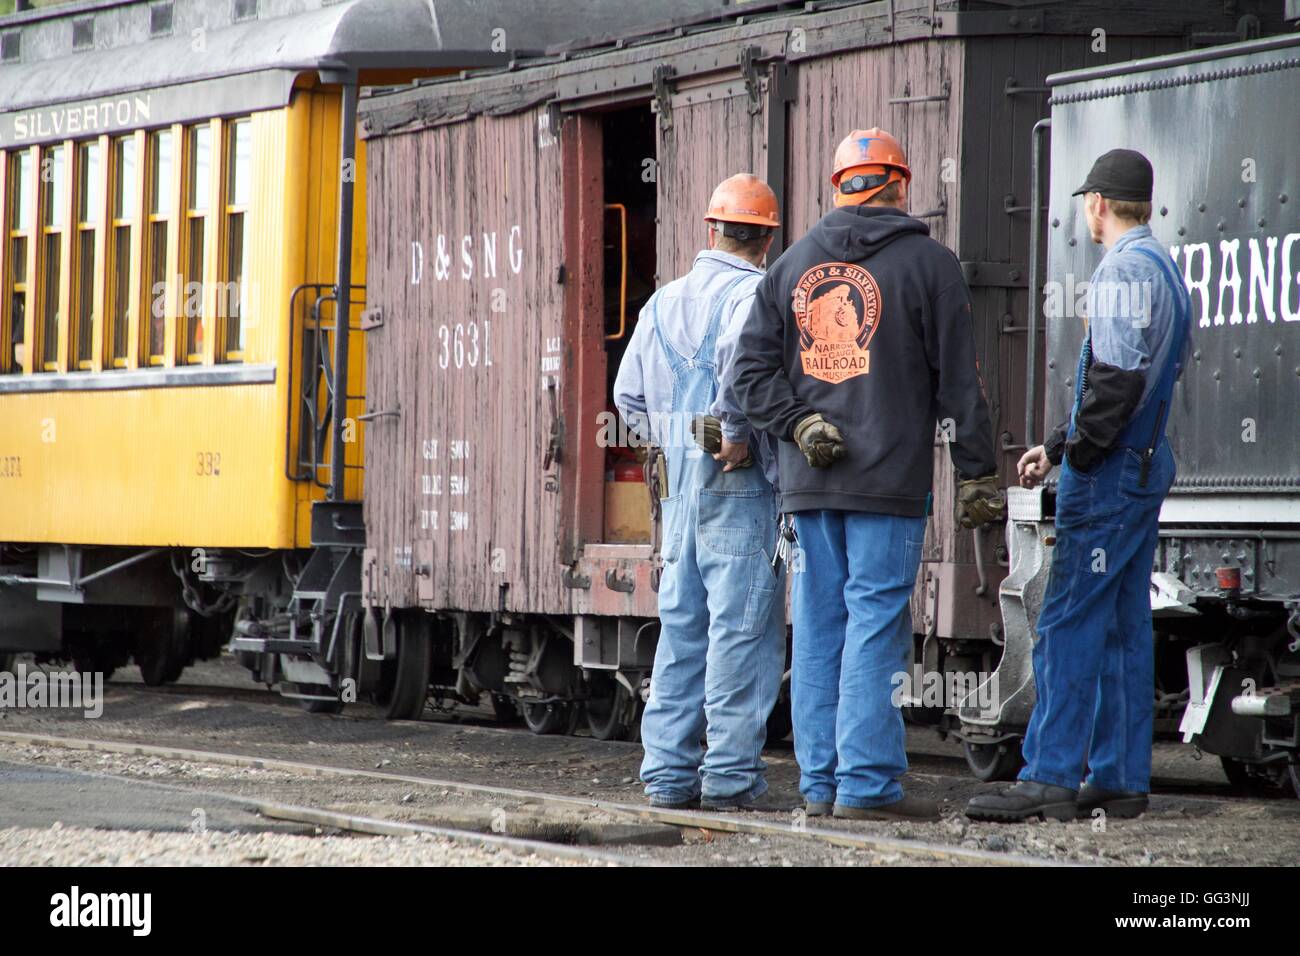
817, 808
1025, 800
1121, 804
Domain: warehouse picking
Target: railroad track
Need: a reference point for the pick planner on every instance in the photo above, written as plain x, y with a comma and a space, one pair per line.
378, 826
481, 719
746, 823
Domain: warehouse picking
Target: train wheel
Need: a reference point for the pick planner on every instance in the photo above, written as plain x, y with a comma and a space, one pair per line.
92, 663
161, 650
411, 677
1000, 761
1258, 781
611, 715
544, 719
317, 706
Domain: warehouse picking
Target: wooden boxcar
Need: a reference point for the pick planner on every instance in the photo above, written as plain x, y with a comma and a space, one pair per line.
178, 182
519, 217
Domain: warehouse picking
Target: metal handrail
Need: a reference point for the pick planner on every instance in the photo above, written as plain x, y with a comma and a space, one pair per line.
1031, 319
307, 464
622, 306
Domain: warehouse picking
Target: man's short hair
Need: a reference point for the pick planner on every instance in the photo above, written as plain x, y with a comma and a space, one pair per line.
1131, 210
888, 196
745, 248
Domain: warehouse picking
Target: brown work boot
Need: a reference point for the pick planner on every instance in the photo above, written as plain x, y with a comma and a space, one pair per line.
909, 808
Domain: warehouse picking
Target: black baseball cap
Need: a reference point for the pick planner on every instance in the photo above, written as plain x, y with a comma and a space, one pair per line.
1123, 174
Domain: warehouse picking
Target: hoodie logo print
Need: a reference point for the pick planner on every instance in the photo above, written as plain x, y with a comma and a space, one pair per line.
837, 307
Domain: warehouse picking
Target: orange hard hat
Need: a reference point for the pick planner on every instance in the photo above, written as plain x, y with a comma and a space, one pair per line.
744, 198
873, 158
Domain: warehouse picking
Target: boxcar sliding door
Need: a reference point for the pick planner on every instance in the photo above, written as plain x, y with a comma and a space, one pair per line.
464, 375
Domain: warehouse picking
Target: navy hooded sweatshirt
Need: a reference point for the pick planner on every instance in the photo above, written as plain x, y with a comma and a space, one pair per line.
867, 320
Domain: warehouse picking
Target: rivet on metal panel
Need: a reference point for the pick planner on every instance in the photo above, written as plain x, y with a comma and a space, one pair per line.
1164, 210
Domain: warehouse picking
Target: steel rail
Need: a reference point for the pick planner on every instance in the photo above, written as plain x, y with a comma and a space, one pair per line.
722, 822
380, 826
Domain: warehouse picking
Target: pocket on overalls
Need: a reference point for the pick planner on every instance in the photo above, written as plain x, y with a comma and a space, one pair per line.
763, 583
1159, 476
672, 516
735, 522
1087, 498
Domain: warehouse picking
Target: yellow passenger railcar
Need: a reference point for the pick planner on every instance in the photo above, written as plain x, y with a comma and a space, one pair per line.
177, 222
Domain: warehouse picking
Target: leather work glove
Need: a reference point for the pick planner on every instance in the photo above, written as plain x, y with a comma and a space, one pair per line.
708, 433
979, 501
819, 440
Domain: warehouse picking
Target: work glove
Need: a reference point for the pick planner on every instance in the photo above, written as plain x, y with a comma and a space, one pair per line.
819, 440
979, 501
708, 433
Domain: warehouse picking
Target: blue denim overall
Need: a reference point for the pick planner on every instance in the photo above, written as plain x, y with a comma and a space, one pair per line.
721, 648
1094, 660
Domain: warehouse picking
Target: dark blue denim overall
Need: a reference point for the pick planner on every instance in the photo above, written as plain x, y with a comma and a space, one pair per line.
1094, 661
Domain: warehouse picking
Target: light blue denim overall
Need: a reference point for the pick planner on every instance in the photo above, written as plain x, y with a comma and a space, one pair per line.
1094, 662
721, 648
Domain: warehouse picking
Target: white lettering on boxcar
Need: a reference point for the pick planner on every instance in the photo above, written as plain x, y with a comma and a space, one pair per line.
466, 257
472, 267
516, 249
417, 261
1271, 279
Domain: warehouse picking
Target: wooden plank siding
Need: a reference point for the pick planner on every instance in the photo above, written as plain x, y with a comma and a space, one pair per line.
708, 140
456, 479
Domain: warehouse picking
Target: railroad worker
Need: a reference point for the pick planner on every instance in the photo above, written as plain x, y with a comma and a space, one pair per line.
860, 342
1093, 663
721, 651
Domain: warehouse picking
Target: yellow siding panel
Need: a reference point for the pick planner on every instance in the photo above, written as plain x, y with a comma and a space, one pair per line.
159, 466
